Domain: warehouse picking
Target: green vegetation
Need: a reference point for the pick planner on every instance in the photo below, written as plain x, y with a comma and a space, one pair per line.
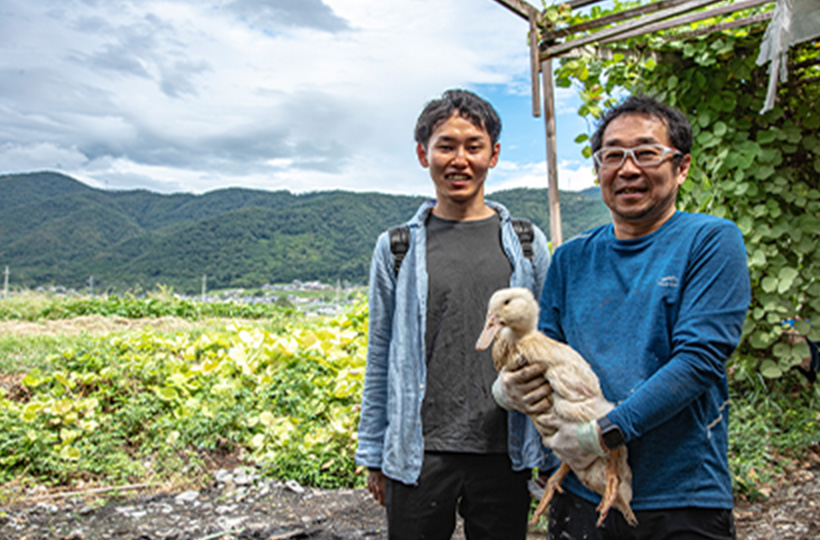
32, 307
773, 423
150, 406
759, 170
57, 231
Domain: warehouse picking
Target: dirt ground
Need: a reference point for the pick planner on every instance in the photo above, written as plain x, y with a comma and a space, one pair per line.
238, 504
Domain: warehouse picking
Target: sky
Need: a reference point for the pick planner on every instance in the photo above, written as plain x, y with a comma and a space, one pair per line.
302, 95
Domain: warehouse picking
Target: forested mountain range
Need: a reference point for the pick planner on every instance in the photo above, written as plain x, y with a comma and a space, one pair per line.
55, 230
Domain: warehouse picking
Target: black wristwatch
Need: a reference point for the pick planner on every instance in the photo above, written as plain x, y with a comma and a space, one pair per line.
611, 434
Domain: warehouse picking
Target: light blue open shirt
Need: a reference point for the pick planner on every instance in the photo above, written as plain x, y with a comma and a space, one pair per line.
390, 432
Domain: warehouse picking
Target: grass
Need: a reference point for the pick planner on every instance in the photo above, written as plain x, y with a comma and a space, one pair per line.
774, 425
19, 354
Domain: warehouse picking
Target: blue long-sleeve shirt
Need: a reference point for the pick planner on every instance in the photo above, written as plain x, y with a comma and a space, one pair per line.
657, 317
390, 431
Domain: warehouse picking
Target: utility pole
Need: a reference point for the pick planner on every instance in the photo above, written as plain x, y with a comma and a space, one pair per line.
204, 280
6, 283
90, 285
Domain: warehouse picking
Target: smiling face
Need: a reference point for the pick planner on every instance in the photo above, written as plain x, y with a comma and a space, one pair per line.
459, 155
640, 199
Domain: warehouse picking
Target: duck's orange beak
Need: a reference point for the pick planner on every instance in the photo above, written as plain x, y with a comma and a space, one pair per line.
491, 328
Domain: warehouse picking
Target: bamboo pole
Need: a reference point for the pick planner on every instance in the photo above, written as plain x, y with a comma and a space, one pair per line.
520, 7
552, 161
745, 21
686, 19
613, 18
536, 88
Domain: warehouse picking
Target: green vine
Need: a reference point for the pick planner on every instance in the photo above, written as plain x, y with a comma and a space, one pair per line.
759, 170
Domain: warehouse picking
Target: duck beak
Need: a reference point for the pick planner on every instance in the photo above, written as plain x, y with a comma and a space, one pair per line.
491, 328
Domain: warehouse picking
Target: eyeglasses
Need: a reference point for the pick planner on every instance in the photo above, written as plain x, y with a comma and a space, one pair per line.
645, 155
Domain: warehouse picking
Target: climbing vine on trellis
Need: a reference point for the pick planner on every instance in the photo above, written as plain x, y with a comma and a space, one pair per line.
760, 170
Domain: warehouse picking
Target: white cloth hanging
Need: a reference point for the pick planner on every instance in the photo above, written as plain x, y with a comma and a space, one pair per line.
794, 21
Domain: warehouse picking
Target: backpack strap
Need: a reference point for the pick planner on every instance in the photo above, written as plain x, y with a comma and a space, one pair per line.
523, 228
399, 243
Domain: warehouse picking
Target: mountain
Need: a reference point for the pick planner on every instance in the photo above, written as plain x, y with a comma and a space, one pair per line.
57, 230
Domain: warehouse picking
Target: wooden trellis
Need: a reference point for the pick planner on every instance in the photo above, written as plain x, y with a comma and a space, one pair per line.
544, 45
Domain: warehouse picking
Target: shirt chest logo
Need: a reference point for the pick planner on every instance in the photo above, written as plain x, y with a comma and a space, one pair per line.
668, 281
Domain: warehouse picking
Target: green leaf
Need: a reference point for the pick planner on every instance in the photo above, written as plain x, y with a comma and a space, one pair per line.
707, 140
786, 277
800, 350
70, 453
166, 394
770, 155
811, 143
745, 224
765, 137
763, 173
267, 418
793, 134
769, 284
758, 258
770, 370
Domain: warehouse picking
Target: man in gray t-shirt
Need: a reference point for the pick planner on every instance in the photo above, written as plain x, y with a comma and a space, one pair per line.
431, 434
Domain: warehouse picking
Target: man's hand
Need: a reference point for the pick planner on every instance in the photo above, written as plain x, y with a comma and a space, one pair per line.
375, 485
524, 389
575, 444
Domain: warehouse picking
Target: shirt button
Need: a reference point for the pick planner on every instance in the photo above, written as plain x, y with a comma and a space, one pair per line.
421, 387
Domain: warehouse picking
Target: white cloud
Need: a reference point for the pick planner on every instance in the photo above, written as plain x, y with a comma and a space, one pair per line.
192, 95
572, 176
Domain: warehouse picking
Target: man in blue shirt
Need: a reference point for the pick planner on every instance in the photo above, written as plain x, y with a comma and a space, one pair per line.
434, 440
655, 302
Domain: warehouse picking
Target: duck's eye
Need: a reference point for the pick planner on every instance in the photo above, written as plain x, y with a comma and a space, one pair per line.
507, 301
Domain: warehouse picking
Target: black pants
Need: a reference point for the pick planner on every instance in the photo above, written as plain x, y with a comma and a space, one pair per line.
492, 499
574, 518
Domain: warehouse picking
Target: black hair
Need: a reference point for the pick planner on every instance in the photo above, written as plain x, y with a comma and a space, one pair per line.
468, 105
677, 124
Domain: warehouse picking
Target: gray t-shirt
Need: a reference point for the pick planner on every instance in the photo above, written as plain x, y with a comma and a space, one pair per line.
466, 264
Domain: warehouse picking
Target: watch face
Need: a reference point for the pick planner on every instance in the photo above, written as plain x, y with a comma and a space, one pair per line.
613, 437
611, 434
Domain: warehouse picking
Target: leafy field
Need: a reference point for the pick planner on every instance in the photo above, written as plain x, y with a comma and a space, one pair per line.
187, 387
160, 406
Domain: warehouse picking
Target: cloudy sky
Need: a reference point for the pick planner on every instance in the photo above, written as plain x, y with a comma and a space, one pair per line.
303, 95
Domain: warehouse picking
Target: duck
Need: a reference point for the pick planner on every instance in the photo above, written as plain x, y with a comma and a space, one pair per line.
512, 318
